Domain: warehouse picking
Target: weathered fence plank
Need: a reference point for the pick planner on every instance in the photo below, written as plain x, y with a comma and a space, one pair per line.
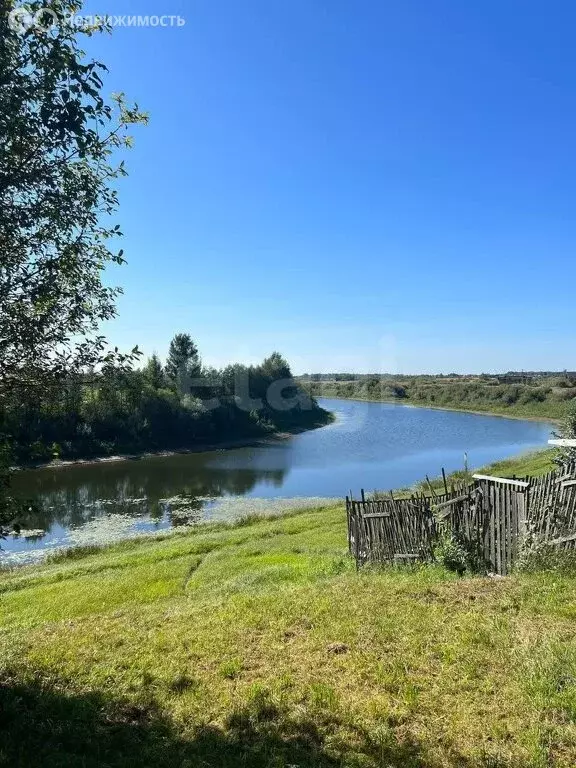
502, 480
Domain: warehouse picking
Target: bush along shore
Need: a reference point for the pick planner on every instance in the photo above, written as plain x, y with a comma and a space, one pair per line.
258, 644
543, 397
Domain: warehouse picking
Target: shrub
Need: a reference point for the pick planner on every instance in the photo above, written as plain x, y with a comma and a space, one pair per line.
451, 553
568, 430
538, 555
565, 394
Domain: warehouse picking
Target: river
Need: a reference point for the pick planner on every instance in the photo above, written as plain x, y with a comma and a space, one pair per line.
370, 445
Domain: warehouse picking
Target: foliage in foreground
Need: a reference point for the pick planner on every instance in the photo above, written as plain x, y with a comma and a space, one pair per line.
261, 646
60, 147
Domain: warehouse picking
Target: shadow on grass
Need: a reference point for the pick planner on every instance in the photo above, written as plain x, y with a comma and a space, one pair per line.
42, 725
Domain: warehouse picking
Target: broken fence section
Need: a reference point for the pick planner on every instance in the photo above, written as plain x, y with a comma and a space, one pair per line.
491, 515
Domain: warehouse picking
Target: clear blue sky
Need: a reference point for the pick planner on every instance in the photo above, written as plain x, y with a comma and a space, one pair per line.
361, 185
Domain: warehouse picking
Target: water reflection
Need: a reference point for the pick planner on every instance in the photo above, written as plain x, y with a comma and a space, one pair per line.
371, 445
164, 489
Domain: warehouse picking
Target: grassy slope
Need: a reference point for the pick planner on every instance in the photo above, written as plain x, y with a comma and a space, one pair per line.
531, 464
534, 464
260, 645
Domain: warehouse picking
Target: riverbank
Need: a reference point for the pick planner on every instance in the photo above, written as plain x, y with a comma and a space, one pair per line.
259, 644
223, 445
370, 446
543, 398
532, 464
503, 414
500, 414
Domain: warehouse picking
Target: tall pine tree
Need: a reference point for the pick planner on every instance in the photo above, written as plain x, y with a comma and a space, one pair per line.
183, 365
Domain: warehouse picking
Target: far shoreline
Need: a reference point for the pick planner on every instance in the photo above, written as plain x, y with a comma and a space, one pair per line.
256, 440
393, 401
224, 445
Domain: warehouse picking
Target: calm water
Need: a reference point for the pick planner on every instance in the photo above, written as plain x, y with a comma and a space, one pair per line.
371, 445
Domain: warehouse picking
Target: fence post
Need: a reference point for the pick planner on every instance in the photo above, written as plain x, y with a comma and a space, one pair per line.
349, 523
522, 520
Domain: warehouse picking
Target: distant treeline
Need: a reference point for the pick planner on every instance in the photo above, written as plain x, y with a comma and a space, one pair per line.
176, 405
543, 395
511, 377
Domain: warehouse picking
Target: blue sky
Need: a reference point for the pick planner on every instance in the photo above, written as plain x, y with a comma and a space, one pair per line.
361, 185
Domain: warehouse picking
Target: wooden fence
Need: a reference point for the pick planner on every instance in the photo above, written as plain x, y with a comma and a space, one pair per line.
491, 516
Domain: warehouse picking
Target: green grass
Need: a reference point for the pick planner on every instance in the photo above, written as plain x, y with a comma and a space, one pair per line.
528, 464
531, 464
259, 645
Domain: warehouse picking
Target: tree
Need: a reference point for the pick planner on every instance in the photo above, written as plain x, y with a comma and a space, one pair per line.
154, 373
275, 367
183, 364
59, 141
272, 382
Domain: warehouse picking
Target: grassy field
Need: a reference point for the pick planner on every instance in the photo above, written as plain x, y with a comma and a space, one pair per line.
259, 645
